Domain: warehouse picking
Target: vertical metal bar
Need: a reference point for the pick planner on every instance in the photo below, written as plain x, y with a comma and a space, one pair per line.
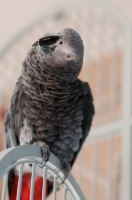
19, 182
95, 171
54, 188
32, 181
112, 83
4, 190
44, 183
126, 190
99, 83
64, 193
109, 175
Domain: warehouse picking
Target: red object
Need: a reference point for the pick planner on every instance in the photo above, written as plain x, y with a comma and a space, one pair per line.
25, 189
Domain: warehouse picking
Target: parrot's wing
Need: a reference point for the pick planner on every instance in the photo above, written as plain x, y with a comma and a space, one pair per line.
14, 116
88, 112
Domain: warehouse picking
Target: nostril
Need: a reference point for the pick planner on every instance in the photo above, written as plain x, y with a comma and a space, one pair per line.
61, 42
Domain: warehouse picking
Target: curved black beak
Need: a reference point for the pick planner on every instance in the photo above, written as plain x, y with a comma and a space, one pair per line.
46, 41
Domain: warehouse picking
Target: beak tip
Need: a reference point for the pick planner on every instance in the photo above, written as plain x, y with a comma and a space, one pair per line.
35, 44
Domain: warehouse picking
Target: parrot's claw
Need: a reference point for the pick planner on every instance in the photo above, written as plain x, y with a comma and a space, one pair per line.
64, 178
66, 167
45, 152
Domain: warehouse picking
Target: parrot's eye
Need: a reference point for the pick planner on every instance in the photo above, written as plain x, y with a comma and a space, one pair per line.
48, 41
69, 55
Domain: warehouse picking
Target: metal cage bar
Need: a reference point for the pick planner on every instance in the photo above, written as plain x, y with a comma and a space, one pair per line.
95, 171
126, 193
32, 154
54, 188
64, 193
5, 187
110, 162
32, 181
19, 182
44, 183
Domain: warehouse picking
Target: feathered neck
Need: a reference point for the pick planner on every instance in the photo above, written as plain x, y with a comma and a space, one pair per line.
41, 84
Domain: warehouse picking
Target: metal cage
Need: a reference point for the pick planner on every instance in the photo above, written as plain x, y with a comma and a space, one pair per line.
18, 156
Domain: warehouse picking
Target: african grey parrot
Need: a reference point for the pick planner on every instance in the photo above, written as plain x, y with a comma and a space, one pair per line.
50, 106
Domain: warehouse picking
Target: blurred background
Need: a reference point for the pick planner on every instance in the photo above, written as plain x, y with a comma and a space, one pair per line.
103, 168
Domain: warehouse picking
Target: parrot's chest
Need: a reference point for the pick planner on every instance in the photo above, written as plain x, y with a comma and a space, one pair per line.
60, 127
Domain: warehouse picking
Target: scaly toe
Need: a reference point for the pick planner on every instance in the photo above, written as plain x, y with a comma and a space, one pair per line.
45, 152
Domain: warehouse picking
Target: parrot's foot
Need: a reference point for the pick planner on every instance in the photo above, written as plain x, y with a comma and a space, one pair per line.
45, 152
66, 167
26, 134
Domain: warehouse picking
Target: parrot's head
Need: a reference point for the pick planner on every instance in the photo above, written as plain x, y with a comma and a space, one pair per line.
61, 53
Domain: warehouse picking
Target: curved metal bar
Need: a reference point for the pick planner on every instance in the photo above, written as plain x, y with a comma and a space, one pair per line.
11, 155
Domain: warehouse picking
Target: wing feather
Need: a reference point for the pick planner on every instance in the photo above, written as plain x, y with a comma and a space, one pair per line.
15, 116
88, 113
